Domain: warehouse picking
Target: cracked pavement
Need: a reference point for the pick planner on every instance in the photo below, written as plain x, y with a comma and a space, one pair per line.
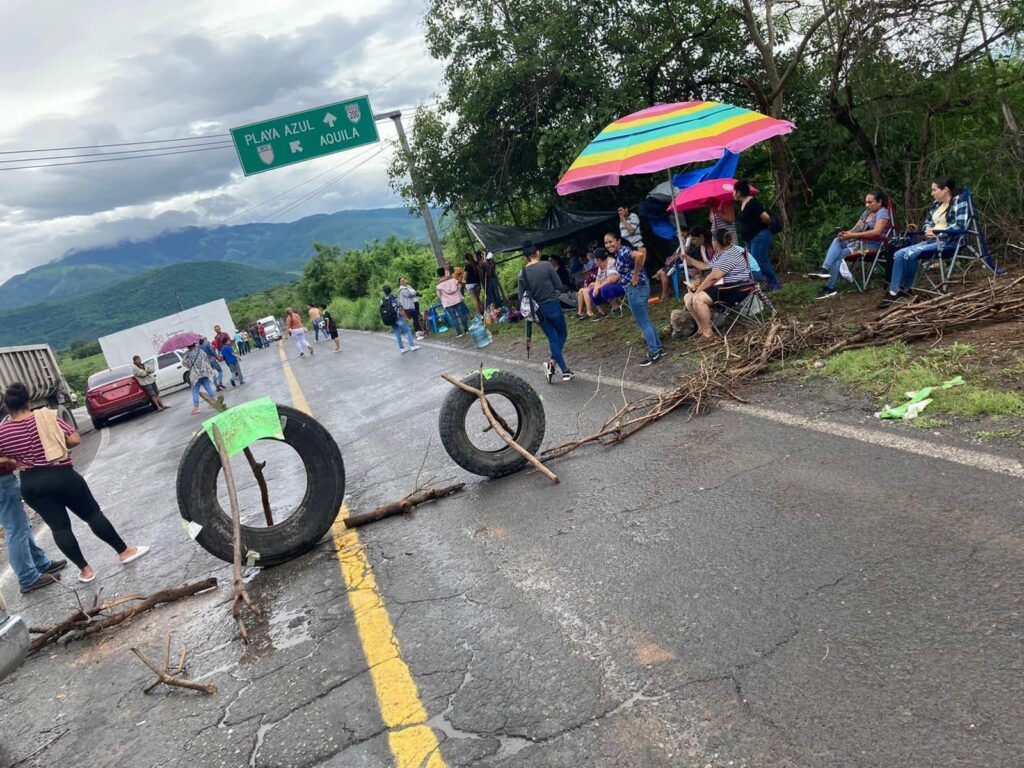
720, 592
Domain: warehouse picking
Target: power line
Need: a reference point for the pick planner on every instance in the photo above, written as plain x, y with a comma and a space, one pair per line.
217, 143
113, 159
119, 144
292, 189
322, 187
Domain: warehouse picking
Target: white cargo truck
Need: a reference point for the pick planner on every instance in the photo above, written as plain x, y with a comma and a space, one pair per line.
36, 367
146, 339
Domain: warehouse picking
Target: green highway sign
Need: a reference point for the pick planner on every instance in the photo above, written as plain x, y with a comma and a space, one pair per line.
305, 135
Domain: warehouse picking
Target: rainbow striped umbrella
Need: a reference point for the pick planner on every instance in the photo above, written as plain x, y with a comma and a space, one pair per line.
664, 136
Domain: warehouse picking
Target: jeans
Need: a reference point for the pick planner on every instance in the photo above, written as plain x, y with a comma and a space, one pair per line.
905, 261
218, 373
759, 247
637, 296
316, 330
458, 316
552, 322
837, 252
205, 384
401, 327
27, 560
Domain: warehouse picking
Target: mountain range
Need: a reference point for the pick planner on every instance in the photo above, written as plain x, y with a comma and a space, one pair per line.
281, 248
136, 300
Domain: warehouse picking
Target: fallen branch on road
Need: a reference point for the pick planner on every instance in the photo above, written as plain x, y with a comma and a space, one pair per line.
84, 622
501, 431
414, 499
241, 593
172, 677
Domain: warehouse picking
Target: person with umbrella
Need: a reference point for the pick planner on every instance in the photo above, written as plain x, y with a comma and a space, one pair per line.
629, 263
539, 284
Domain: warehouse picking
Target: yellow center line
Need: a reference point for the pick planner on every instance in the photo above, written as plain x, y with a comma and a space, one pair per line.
412, 743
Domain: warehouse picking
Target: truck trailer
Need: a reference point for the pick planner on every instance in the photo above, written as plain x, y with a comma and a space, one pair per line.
36, 367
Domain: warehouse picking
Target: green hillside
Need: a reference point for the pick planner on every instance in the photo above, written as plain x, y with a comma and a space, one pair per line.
136, 300
280, 247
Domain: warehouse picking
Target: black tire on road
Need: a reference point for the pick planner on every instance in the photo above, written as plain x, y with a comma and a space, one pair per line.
198, 473
529, 432
98, 424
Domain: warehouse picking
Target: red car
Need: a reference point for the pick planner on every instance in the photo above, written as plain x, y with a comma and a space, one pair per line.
114, 392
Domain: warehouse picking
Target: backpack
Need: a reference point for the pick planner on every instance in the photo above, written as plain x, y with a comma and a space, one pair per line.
388, 313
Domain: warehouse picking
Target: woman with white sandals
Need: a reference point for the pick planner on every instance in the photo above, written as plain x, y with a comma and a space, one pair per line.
39, 442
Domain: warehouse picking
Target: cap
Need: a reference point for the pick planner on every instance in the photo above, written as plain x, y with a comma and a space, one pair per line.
600, 253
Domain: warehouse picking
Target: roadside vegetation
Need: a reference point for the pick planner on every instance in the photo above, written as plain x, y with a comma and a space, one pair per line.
890, 371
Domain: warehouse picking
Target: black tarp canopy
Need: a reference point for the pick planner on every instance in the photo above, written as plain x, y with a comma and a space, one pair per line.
557, 226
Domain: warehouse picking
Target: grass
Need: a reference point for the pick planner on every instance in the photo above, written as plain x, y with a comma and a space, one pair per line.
998, 434
890, 371
795, 295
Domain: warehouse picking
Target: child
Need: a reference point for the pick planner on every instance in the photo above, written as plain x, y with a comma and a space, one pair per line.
228, 353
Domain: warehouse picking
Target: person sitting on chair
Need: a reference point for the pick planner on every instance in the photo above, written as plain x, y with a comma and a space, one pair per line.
727, 269
948, 212
864, 237
605, 290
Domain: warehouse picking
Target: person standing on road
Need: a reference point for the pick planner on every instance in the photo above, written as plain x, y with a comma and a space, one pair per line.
231, 360
220, 337
146, 377
391, 315
214, 358
407, 296
39, 442
28, 561
293, 322
539, 279
200, 373
315, 321
629, 263
262, 331
330, 327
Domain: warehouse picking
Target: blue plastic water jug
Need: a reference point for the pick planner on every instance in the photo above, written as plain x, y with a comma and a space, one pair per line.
479, 334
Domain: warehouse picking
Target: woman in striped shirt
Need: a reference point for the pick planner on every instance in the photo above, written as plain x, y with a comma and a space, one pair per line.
53, 487
727, 272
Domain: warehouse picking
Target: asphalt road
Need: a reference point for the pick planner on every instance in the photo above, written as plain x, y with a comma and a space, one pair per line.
730, 591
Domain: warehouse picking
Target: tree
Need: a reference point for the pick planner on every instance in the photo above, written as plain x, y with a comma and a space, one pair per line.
319, 274
530, 84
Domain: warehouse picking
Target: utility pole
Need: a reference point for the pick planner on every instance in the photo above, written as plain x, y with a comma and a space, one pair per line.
424, 210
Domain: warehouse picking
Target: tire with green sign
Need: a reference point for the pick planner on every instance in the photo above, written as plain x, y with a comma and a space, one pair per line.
198, 477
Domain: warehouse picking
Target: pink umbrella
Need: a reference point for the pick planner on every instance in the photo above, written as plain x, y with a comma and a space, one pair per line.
704, 194
179, 341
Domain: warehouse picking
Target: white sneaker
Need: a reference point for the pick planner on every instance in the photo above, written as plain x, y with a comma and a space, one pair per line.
414, 347
403, 350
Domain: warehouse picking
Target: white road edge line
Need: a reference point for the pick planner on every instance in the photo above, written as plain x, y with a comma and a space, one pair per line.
45, 536
965, 457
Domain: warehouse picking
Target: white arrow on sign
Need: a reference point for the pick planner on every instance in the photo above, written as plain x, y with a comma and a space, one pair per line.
296, 146
330, 120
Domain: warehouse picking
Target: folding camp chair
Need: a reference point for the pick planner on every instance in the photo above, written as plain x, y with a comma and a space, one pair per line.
961, 250
864, 264
753, 311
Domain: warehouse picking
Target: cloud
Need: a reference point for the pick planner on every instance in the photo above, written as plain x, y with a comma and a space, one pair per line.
185, 70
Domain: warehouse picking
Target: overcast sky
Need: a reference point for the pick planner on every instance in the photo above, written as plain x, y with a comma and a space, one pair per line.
79, 73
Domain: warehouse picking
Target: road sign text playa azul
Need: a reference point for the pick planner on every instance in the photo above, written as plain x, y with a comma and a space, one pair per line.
305, 135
